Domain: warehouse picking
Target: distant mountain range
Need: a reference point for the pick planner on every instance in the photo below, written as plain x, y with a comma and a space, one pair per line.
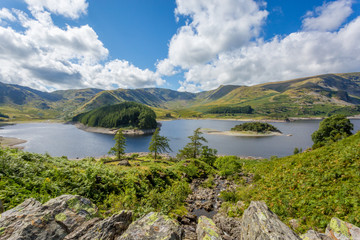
311, 96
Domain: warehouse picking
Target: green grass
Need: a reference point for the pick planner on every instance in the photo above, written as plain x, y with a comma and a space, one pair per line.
24, 113
312, 187
146, 186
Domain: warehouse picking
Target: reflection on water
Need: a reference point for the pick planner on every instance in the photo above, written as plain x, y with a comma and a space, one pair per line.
66, 140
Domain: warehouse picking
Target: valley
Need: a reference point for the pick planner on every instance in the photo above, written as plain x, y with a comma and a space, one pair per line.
317, 96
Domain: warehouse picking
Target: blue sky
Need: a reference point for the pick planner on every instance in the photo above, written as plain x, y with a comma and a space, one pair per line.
183, 45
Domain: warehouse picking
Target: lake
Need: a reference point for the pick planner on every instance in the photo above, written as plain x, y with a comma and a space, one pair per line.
66, 140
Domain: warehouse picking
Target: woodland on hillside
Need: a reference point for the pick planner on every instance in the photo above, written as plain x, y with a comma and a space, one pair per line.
123, 115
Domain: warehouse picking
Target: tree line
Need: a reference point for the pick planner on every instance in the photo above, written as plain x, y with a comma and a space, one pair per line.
160, 144
223, 110
3, 115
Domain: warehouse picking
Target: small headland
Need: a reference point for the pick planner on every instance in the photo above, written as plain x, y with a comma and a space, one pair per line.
11, 142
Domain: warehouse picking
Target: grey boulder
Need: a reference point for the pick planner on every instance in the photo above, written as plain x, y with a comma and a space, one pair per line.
207, 230
53, 220
259, 223
153, 226
340, 230
313, 235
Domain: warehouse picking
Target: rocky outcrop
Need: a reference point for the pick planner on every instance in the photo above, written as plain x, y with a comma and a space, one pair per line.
188, 223
313, 235
124, 163
207, 230
66, 217
259, 223
70, 217
53, 220
230, 228
153, 226
340, 230
106, 229
206, 201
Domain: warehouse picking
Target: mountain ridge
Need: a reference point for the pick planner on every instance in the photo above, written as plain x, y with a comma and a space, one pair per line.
318, 95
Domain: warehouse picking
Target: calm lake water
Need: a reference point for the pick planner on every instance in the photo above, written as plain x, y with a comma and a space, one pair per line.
66, 140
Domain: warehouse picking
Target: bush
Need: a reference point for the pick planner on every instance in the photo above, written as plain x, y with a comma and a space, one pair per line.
134, 156
228, 165
193, 168
332, 129
28, 175
208, 155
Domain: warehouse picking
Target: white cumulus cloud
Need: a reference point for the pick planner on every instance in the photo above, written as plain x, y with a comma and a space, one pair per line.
5, 14
68, 8
222, 44
297, 55
46, 57
214, 27
328, 17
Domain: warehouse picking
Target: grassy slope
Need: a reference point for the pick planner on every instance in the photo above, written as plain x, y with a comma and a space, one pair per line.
312, 187
146, 186
22, 103
305, 97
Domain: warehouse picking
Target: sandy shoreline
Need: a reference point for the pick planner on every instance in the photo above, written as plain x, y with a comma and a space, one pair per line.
11, 142
291, 119
241, 134
112, 131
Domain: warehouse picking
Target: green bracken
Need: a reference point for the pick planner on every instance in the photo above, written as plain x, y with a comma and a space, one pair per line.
148, 187
312, 187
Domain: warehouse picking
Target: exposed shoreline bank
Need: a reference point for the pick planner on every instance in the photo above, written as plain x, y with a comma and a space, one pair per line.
11, 142
112, 131
290, 119
240, 134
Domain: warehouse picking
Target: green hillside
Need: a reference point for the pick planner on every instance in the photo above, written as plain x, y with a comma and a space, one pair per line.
154, 97
305, 97
311, 187
316, 96
23, 103
123, 115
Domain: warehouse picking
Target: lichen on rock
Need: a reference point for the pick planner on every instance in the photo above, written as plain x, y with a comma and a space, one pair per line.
207, 230
340, 230
153, 226
53, 220
313, 235
258, 222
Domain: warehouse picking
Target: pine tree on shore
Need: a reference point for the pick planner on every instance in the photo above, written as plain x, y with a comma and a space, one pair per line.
120, 143
193, 148
159, 144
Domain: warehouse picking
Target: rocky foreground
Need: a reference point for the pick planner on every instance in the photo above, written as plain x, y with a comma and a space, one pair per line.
72, 217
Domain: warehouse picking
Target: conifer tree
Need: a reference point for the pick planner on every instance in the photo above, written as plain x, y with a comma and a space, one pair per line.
159, 144
120, 143
193, 148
